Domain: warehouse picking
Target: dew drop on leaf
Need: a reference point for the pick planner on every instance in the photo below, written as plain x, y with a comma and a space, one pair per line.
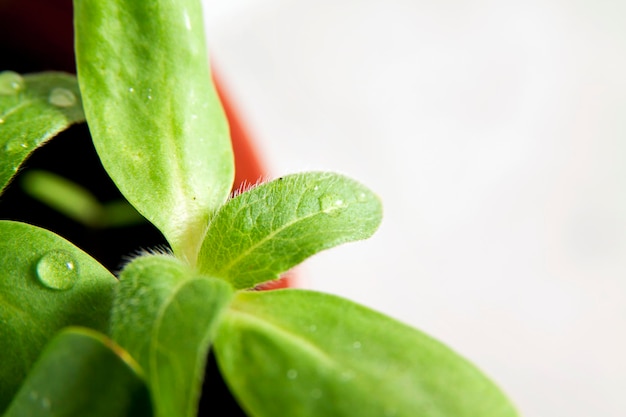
10, 83
45, 403
57, 270
247, 223
390, 412
356, 345
292, 374
331, 204
13, 146
347, 376
61, 97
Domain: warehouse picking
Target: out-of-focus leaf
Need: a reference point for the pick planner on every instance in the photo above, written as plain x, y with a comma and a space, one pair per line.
76, 202
82, 373
326, 356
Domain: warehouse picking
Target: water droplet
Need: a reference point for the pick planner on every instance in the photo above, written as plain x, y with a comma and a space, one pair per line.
361, 197
292, 374
356, 345
13, 146
57, 270
247, 223
131, 90
331, 204
10, 83
317, 187
316, 393
347, 376
61, 97
149, 97
390, 412
187, 20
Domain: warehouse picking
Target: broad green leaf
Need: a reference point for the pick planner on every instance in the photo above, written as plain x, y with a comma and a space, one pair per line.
33, 109
77, 202
153, 112
327, 356
46, 284
267, 230
82, 373
166, 317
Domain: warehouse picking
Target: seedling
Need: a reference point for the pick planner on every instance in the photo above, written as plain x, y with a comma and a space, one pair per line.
78, 341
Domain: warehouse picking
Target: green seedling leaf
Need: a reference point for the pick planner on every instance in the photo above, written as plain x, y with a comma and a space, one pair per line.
33, 109
153, 112
166, 316
82, 373
327, 356
269, 229
46, 283
76, 202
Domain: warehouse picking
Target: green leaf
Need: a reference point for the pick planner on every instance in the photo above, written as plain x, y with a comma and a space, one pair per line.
267, 230
166, 316
46, 283
153, 112
77, 202
82, 373
327, 356
33, 109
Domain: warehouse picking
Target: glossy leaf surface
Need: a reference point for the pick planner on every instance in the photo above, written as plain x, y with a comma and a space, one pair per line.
46, 284
269, 229
153, 112
166, 316
326, 356
33, 109
82, 373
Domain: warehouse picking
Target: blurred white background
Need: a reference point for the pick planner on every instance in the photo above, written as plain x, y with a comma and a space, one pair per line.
495, 133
